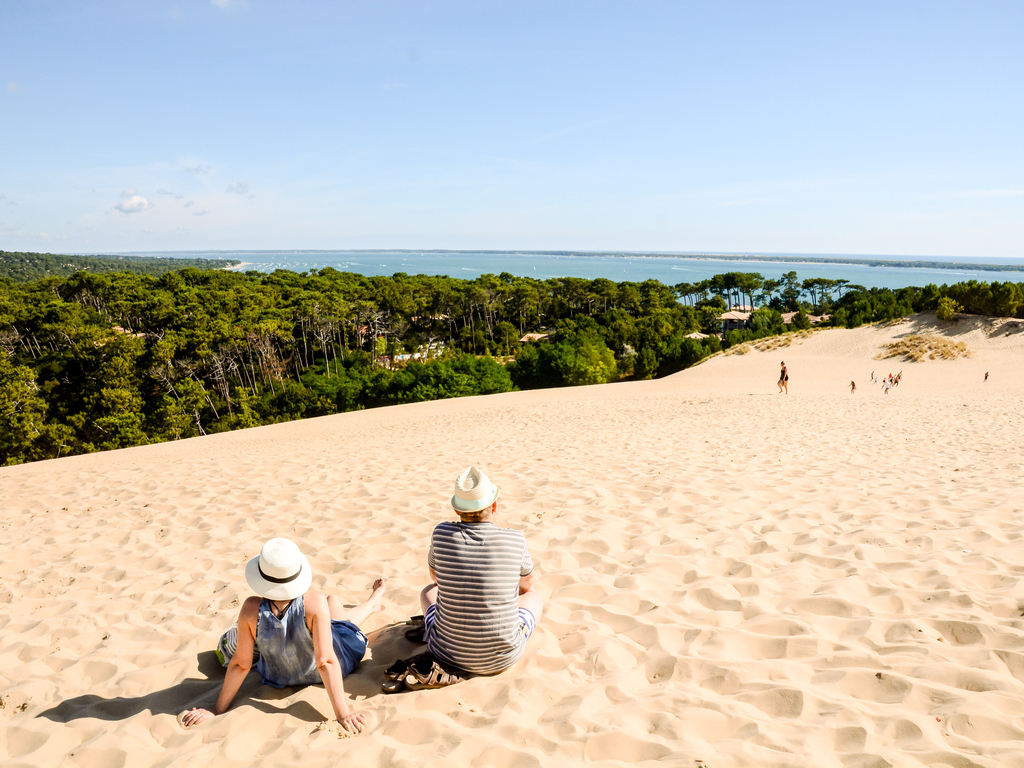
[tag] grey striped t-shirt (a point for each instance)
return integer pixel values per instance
(476, 620)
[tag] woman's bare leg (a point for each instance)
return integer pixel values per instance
(361, 612)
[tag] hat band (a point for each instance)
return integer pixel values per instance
(274, 580)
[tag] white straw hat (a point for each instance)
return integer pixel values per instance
(280, 572)
(473, 491)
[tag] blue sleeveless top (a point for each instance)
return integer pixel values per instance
(285, 646)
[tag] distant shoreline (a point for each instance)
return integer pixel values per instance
(902, 263)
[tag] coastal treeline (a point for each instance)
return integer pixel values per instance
(100, 361)
(23, 267)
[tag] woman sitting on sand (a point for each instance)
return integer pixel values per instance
(295, 635)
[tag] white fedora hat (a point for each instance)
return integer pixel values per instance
(473, 491)
(280, 572)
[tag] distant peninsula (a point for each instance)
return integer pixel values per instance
(746, 257)
(25, 267)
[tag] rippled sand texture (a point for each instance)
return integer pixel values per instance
(734, 576)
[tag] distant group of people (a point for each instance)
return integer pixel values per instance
(479, 609)
(891, 381)
(887, 382)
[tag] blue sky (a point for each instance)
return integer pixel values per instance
(869, 128)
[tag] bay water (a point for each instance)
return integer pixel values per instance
(668, 269)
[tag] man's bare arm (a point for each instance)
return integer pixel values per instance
(526, 583)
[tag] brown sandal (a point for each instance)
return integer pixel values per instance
(396, 675)
(437, 676)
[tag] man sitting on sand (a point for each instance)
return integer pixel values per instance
(295, 635)
(481, 608)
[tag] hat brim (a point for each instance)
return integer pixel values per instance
(268, 589)
(475, 506)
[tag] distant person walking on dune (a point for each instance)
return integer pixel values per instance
(885, 386)
(784, 379)
(853, 387)
(986, 375)
(873, 379)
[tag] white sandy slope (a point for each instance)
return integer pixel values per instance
(733, 576)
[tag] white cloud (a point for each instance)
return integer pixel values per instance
(252, 197)
(238, 187)
(189, 204)
(13, 87)
(133, 204)
(163, 191)
(230, 3)
(198, 169)
(3, 197)
(202, 212)
(130, 193)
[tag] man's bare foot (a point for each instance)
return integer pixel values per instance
(376, 595)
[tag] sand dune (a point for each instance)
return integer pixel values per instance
(734, 576)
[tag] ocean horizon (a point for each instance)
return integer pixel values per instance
(619, 266)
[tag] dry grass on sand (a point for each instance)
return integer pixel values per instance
(920, 346)
(770, 343)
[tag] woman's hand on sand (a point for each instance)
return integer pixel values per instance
(353, 722)
(196, 716)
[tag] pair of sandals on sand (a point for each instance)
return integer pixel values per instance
(421, 672)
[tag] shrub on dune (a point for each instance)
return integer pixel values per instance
(920, 346)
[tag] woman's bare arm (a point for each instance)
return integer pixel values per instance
(238, 668)
(318, 619)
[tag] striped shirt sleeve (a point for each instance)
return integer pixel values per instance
(527, 567)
